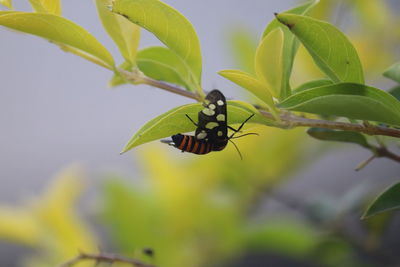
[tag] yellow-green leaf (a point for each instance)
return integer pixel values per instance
(290, 44)
(253, 85)
(168, 25)
(330, 48)
(175, 121)
(70, 36)
(351, 100)
(159, 63)
(312, 84)
(117, 79)
(163, 64)
(268, 61)
(6, 3)
(125, 34)
(47, 6)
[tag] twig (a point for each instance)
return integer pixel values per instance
(288, 120)
(170, 88)
(104, 257)
(364, 163)
(292, 121)
(378, 152)
(384, 152)
(137, 77)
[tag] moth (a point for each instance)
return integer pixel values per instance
(212, 128)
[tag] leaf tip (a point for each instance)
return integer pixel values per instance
(284, 21)
(124, 150)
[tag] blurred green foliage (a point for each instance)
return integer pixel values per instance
(49, 223)
(194, 213)
(200, 211)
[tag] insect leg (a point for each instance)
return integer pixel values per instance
(240, 127)
(231, 128)
(195, 124)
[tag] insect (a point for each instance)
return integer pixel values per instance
(212, 129)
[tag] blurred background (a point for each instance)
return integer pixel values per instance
(292, 201)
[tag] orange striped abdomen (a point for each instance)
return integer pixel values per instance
(188, 143)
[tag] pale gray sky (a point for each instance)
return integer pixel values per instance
(55, 108)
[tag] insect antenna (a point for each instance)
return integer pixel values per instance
(234, 137)
(240, 127)
(237, 149)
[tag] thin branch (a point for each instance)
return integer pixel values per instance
(103, 257)
(384, 152)
(380, 151)
(288, 119)
(292, 121)
(365, 163)
(170, 88)
(137, 77)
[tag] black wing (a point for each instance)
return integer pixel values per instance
(212, 120)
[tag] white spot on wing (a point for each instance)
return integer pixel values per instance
(211, 106)
(221, 117)
(201, 135)
(208, 112)
(220, 103)
(211, 125)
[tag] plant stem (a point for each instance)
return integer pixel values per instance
(288, 120)
(137, 77)
(293, 121)
(384, 152)
(365, 163)
(170, 88)
(102, 257)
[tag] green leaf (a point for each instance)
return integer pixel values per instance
(395, 92)
(168, 25)
(125, 34)
(130, 210)
(159, 63)
(117, 79)
(355, 101)
(47, 6)
(331, 50)
(289, 237)
(338, 136)
(386, 201)
(268, 61)
(175, 121)
(312, 84)
(68, 35)
(393, 72)
(253, 85)
(6, 3)
(163, 64)
(290, 45)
